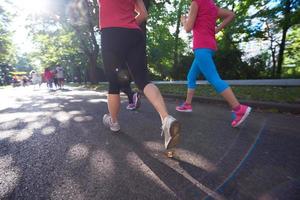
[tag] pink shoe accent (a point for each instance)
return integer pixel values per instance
(240, 115)
(184, 107)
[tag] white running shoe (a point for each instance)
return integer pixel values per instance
(171, 131)
(115, 127)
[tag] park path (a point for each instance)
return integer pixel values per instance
(53, 146)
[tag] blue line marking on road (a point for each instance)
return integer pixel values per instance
(247, 155)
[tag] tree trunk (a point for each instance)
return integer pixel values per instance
(286, 26)
(273, 63)
(273, 49)
(92, 71)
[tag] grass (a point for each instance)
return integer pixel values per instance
(4, 86)
(253, 93)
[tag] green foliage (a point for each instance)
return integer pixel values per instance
(161, 41)
(69, 35)
(7, 49)
(59, 47)
(292, 54)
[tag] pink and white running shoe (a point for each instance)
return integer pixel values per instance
(240, 115)
(185, 107)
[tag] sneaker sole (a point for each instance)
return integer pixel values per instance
(175, 133)
(184, 110)
(244, 117)
(115, 130)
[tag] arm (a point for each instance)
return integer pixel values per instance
(141, 10)
(227, 16)
(188, 22)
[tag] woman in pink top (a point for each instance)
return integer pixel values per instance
(48, 77)
(202, 21)
(123, 43)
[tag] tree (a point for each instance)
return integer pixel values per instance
(278, 18)
(84, 18)
(7, 50)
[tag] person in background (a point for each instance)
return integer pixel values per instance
(35, 78)
(60, 76)
(48, 77)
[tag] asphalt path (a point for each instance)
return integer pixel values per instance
(53, 145)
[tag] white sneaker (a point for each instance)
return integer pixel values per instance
(115, 127)
(171, 130)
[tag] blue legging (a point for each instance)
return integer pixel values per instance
(203, 63)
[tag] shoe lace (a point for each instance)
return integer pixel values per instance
(162, 129)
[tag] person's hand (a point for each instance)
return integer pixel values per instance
(183, 19)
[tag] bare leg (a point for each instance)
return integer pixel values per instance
(113, 106)
(189, 95)
(229, 96)
(154, 96)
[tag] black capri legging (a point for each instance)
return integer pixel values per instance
(124, 47)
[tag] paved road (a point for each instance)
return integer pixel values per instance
(53, 146)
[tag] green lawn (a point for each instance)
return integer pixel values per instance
(255, 93)
(4, 86)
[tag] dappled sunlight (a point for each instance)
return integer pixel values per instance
(50, 105)
(50, 97)
(9, 125)
(124, 101)
(62, 116)
(63, 97)
(36, 124)
(6, 134)
(9, 176)
(41, 102)
(7, 117)
(48, 130)
(76, 100)
(97, 100)
(77, 152)
(9, 105)
(31, 119)
(26, 102)
(15, 121)
(59, 108)
(83, 118)
(184, 155)
(75, 112)
(102, 165)
(22, 135)
(153, 146)
(84, 93)
(195, 159)
(136, 163)
(68, 189)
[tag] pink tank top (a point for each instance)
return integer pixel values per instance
(117, 13)
(205, 23)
